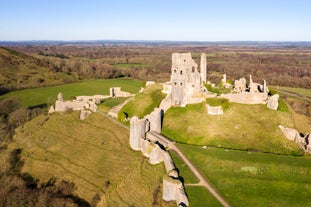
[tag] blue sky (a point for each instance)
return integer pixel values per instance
(192, 20)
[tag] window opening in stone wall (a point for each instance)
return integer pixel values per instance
(181, 84)
(175, 83)
(193, 69)
(184, 60)
(174, 71)
(181, 72)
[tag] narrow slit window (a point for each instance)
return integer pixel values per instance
(181, 72)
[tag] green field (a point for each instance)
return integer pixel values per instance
(200, 197)
(247, 127)
(40, 96)
(94, 154)
(109, 103)
(251, 179)
(300, 91)
(143, 103)
(131, 65)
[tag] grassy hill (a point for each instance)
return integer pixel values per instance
(143, 103)
(40, 96)
(247, 127)
(18, 71)
(93, 154)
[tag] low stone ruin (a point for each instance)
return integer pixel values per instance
(224, 81)
(253, 94)
(214, 110)
(117, 92)
(76, 105)
(142, 139)
(294, 135)
(239, 85)
(273, 102)
(85, 104)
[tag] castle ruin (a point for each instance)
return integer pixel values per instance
(187, 83)
(143, 137)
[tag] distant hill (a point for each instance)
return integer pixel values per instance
(18, 71)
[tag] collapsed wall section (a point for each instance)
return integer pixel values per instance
(143, 138)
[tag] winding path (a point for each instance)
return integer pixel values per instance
(202, 182)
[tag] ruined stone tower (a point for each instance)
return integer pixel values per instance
(203, 68)
(186, 80)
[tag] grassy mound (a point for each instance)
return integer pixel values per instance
(109, 103)
(143, 103)
(247, 127)
(93, 154)
(252, 179)
(40, 96)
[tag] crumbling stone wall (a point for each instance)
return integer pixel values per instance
(246, 98)
(80, 104)
(143, 140)
(294, 135)
(186, 80)
(117, 92)
(273, 102)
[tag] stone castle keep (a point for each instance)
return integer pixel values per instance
(187, 83)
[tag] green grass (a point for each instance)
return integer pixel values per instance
(40, 96)
(109, 103)
(200, 197)
(184, 171)
(131, 65)
(143, 103)
(224, 103)
(282, 105)
(254, 179)
(217, 89)
(247, 127)
(94, 154)
(300, 91)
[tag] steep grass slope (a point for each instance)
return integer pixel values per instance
(143, 103)
(94, 154)
(247, 127)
